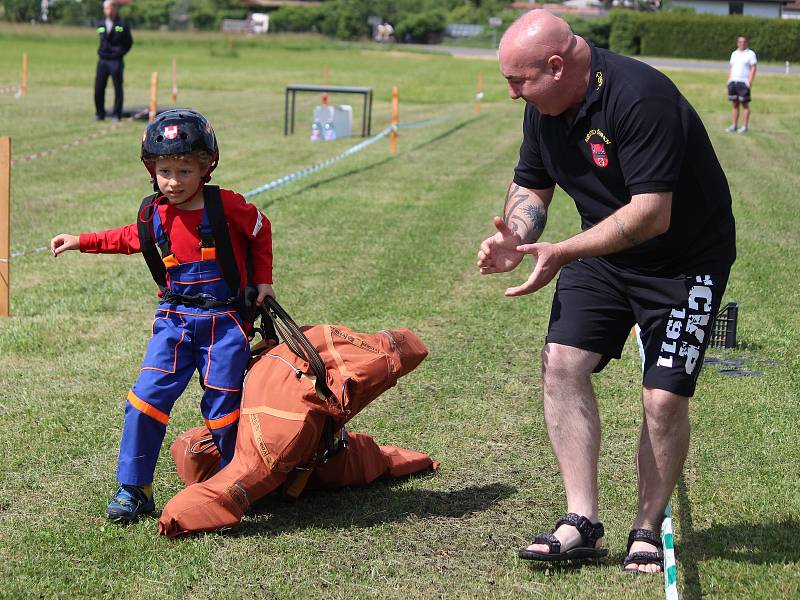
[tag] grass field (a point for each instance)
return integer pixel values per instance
(373, 241)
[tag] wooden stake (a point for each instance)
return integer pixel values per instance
(174, 81)
(230, 42)
(395, 120)
(153, 96)
(24, 89)
(479, 94)
(5, 224)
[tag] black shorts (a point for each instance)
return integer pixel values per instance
(738, 90)
(596, 305)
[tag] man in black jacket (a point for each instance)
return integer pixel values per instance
(115, 41)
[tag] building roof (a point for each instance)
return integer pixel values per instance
(278, 3)
(559, 9)
(784, 2)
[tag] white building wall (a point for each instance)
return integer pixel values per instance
(713, 8)
(751, 9)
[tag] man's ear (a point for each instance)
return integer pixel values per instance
(556, 65)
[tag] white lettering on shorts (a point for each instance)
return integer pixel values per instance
(689, 326)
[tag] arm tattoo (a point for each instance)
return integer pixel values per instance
(513, 200)
(525, 218)
(623, 232)
(538, 219)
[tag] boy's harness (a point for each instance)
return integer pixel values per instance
(215, 243)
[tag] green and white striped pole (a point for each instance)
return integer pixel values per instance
(670, 566)
(667, 535)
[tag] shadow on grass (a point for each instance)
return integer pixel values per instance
(379, 503)
(754, 543)
(570, 566)
(365, 168)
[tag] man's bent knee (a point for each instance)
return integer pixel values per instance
(665, 407)
(560, 362)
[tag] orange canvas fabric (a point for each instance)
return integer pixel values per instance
(282, 423)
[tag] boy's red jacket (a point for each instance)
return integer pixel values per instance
(247, 225)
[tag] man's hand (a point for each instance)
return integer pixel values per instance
(63, 242)
(264, 290)
(499, 253)
(548, 260)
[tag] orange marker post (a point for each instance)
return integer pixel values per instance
(174, 80)
(24, 89)
(5, 224)
(395, 120)
(153, 96)
(479, 94)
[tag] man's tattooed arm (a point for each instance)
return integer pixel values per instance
(623, 231)
(526, 212)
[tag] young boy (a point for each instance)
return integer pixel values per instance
(196, 325)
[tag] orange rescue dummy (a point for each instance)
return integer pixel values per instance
(286, 425)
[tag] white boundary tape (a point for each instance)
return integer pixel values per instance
(67, 146)
(314, 168)
(667, 535)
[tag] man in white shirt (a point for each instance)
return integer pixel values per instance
(740, 80)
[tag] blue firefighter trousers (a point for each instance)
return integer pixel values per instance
(185, 340)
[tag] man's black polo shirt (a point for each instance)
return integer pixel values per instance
(635, 133)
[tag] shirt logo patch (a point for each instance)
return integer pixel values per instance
(171, 132)
(599, 154)
(599, 77)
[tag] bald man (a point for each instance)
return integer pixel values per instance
(655, 249)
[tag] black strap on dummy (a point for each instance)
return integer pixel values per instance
(274, 317)
(296, 341)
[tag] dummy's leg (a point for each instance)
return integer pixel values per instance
(363, 461)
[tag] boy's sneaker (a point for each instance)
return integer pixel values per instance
(129, 503)
(730, 129)
(741, 130)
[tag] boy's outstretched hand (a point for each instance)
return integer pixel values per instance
(264, 290)
(63, 242)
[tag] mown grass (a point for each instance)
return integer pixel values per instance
(373, 241)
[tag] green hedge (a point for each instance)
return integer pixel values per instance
(703, 36)
(596, 30)
(425, 27)
(297, 18)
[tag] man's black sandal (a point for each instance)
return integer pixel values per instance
(642, 557)
(590, 534)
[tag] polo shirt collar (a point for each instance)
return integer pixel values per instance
(597, 81)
